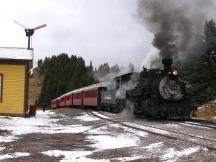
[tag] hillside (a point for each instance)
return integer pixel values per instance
(35, 84)
(207, 111)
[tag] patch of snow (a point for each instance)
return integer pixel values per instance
(101, 130)
(40, 112)
(8, 138)
(200, 108)
(16, 53)
(2, 148)
(172, 155)
(86, 117)
(154, 146)
(113, 142)
(122, 159)
(138, 133)
(205, 149)
(20, 126)
(15, 155)
(154, 130)
(41, 124)
(76, 156)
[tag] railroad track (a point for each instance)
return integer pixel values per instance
(196, 122)
(201, 123)
(194, 139)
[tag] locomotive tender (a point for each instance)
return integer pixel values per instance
(153, 93)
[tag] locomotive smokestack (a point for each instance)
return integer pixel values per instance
(167, 62)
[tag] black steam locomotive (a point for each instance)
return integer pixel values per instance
(153, 93)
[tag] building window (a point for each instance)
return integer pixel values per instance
(1, 87)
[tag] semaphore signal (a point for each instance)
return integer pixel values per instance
(29, 31)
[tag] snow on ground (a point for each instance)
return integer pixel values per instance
(172, 155)
(2, 148)
(104, 140)
(154, 146)
(134, 158)
(76, 156)
(102, 130)
(8, 138)
(112, 142)
(86, 117)
(102, 137)
(15, 155)
(43, 123)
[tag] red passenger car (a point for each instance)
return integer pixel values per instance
(62, 101)
(78, 98)
(69, 99)
(86, 96)
(92, 95)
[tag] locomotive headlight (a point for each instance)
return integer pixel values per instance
(175, 72)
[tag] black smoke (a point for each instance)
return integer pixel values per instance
(174, 23)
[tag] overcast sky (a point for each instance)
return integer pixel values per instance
(98, 30)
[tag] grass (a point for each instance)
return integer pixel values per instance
(207, 115)
(207, 111)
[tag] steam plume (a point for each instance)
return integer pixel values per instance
(174, 23)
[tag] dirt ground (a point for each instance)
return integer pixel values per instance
(74, 135)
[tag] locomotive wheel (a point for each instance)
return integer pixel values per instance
(119, 108)
(115, 109)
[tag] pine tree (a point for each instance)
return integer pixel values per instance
(200, 67)
(210, 38)
(62, 74)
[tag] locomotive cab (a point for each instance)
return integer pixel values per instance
(114, 98)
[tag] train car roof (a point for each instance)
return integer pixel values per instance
(97, 85)
(55, 99)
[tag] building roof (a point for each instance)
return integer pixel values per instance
(14, 53)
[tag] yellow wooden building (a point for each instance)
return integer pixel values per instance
(15, 65)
